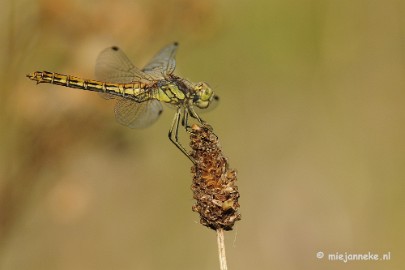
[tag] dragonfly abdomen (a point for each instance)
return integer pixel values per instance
(134, 90)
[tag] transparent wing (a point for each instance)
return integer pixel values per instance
(137, 115)
(163, 63)
(113, 65)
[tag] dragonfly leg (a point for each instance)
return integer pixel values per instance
(174, 137)
(184, 121)
(194, 115)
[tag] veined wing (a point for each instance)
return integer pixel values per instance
(114, 66)
(163, 63)
(137, 115)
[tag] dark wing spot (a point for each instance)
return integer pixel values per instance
(115, 48)
(176, 43)
(160, 112)
(216, 97)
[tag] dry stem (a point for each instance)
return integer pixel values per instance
(221, 249)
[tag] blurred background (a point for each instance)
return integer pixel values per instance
(311, 115)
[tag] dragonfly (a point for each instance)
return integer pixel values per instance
(140, 92)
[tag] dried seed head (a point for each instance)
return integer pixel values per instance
(214, 184)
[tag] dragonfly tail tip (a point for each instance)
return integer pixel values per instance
(30, 76)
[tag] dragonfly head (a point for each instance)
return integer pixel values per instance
(203, 95)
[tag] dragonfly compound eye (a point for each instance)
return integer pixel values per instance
(204, 94)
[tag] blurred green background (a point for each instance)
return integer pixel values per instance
(311, 115)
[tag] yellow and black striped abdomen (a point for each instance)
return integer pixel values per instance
(137, 90)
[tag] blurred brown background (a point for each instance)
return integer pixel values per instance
(311, 115)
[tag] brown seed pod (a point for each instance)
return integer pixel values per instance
(214, 183)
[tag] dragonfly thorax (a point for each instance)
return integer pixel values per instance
(180, 91)
(170, 92)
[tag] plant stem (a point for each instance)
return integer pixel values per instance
(221, 249)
